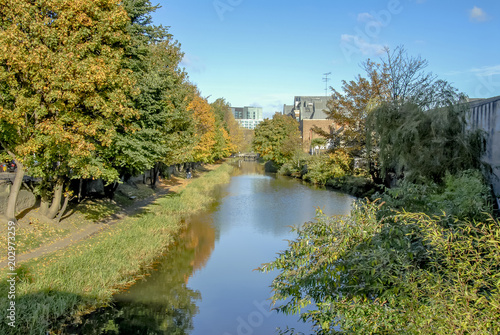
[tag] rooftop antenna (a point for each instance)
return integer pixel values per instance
(326, 79)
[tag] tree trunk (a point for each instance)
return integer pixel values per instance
(44, 206)
(63, 209)
(10, 212)
(110, 190)
(80, 190)
(56, 201)
(375, 173)
(154, 174)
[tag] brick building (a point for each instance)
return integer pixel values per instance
(309, 111)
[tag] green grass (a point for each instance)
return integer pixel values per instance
(96, 209)
(40, 232)
(83, 277)
(28, 238)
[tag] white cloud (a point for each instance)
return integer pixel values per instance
(368, 18)
(486, 71)
(193, 63)
(365, 47)
(364, 17)
(477, 14)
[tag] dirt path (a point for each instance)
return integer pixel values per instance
(172, 185)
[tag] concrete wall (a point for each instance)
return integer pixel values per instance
(485, 115)
(25, 198)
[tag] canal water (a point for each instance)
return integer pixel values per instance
(206, 284)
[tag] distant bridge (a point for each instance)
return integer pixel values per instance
(248, 156)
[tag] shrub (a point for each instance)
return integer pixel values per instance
(322, 168)
(404, 274)
(296, 168)
(357, 186)
(465, 195)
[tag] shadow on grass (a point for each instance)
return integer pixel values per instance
(39, 313)
(33, 313)
(97, 210)
(24, 212)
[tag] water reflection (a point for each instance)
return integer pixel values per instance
(249, 168)
(273, 203)
(205, 285)
(166, 305)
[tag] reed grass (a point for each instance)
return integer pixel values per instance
(62, 286)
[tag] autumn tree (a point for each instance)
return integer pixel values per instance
(223, 146)
(223, 111)
(64, 90)
(277, 139)
(397, 85)
(204, 118)
(349, 109)
(164, 130)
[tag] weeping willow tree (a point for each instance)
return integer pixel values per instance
(420, 132)
(398, 101)
(422, 144)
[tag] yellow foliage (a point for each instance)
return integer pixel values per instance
(67, 88)
(205, 128)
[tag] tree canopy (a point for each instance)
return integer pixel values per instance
(399, 116)
(95, 90)
(351, 108)
(64, 90)
(277, 139)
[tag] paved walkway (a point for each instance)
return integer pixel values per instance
(94, 228)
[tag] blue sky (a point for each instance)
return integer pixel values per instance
(263, 53)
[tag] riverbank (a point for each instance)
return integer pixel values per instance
(357, 186)
(205, 285)
(71, 282)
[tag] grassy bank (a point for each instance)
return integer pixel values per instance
(85, 276)
(330, 171)
(35, 230)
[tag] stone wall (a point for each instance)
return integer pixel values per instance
(485, 115)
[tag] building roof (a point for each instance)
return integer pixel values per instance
(312, 107)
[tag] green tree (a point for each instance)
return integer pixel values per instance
(425, 144)
(317, 142)
(277, 139)
(164, 129)
(64, 90)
